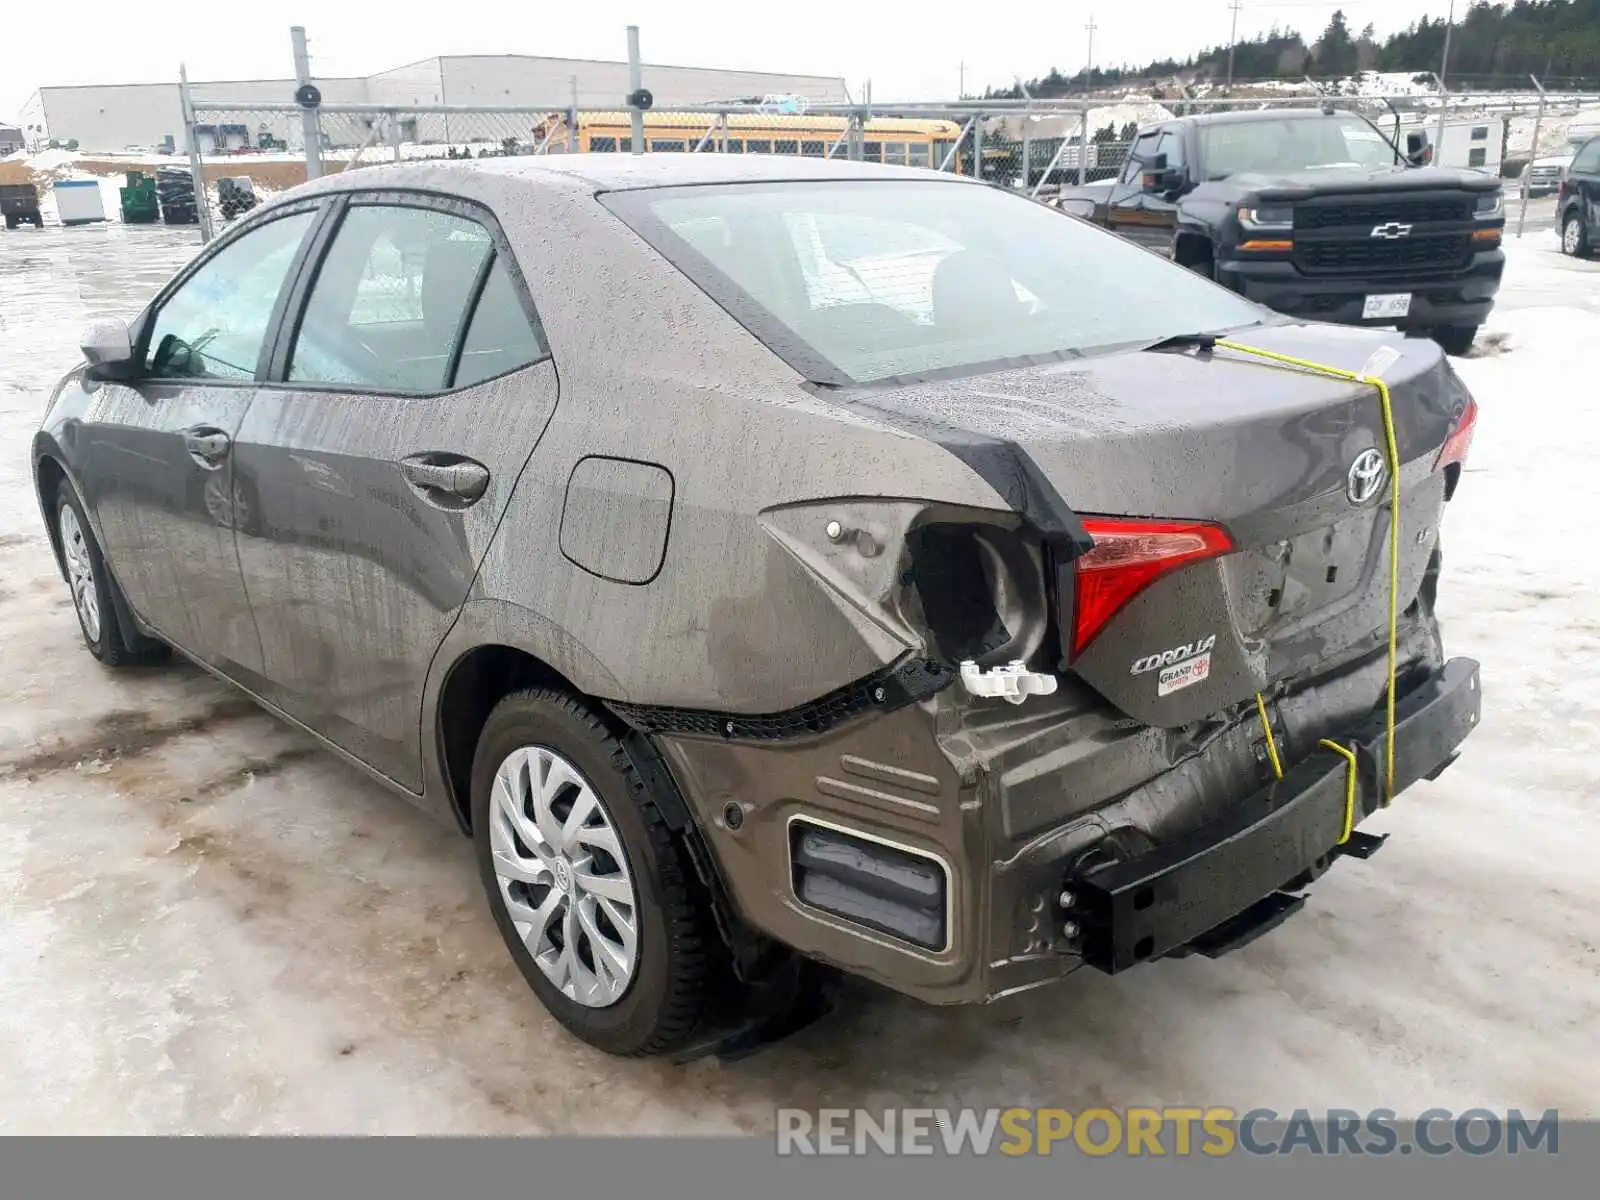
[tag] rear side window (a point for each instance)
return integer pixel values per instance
(396, 299)
(499, 338)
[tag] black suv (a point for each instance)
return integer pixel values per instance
(1578, 202)
(1316, 214)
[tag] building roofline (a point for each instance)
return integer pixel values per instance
(173, 83)
(614, 62)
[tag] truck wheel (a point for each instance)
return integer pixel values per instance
(11, 221)
(1574, 236)
(596, 900)
(1455, 339)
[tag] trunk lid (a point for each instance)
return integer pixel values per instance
(1263, 450)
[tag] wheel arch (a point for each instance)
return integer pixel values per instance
(48, 475)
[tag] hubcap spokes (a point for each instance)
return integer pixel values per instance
(80, 573)
(563, 876)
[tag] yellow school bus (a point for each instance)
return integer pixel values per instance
(901, 140)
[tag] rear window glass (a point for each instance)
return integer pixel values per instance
(861, 282)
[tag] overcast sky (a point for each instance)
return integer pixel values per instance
(908, 53)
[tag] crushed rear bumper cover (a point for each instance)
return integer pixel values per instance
(1230, 880)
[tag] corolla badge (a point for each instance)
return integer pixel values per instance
(1366, 476)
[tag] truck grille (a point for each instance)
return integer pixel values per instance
(1376, 254)
(1421, 211)
(1428, 232)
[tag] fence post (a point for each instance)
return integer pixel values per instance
(1533, 155)
(394, 133)
(1083, 144)
(197, 171)
(572, 114)
(853, 150)
(310, 127)
(635, 83)
(977, 146)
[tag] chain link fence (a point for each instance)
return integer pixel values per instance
(247, 152)
(241, 154)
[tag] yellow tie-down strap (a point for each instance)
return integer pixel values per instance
(1392, 455)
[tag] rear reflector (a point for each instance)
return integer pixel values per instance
(1459, 442)
(1129, 555)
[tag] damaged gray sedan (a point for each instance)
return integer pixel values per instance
(772, 562)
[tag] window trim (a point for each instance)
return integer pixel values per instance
(144, 325)
(288, 329)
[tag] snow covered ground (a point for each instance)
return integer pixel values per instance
(208, 924)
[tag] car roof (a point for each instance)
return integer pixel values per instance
(617, 172)
(1266, 114)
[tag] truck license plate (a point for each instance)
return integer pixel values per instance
(1386, 307)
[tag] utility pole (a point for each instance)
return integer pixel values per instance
(1444, 65)
(961, 87)
(1233, 36)
(1089, 69)
(635, 85)
(310, 127)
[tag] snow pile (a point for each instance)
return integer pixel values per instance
(1388, 83)
(49, 162)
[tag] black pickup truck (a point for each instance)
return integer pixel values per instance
(19, 203)
(1316, 214)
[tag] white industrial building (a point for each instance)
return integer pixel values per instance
(115, 117)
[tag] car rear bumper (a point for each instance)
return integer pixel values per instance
(1463, 298)
(930, 848)
(1237, 876)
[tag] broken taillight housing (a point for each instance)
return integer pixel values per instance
(1129, 554)
(1459, 442)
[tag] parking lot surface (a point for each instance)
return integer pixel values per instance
(207, 924)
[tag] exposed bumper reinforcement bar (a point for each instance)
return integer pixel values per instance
(1230, 881)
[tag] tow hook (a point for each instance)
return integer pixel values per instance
(1012, 682)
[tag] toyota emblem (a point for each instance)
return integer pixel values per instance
(1366, 476)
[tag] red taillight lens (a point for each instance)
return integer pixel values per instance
(1459, 442)
(1128, 556)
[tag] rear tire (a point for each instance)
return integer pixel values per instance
(1456, 339)
(616, 945)
(94, 594)
(1575, 236)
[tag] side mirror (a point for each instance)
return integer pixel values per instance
(107, 344)
(1419, 151)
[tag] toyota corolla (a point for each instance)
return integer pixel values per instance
(775, 561)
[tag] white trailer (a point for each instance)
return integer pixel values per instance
(1474, 143)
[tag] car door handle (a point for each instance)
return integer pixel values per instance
(207, 445)
(450, 476)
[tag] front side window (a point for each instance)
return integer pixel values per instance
(1171, 144)
(389, 308)
(1287, 143)
(214, 325)
(855, 282)
(1143, 151)
(1587, 161)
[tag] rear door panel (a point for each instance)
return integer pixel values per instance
(355, 569)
